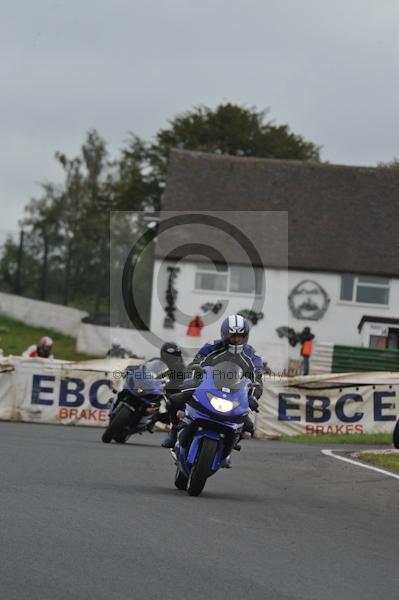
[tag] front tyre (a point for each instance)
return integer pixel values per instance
(106, 438)
(121, 439)
(181, 480)
(396, 435)
(119, 422)
(202, 466)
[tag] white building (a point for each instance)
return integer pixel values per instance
(323, 246)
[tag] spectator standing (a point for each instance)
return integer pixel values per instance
(306, 338)
(195, 326)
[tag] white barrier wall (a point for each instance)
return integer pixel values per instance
(95, 339)
(42, 314)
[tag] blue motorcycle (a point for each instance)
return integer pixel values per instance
(141, 397)
(212, 425)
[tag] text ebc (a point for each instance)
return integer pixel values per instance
(70, 392)
(318, 409)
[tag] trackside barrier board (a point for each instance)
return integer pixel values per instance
(333, 403)
(7, 390)
(51, 391)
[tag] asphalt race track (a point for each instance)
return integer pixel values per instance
(83, 520)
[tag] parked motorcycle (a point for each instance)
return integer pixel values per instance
(143, 391)
(212, 425)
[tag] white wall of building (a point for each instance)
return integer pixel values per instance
(339, 324)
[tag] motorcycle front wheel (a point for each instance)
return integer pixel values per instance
(181, 479)
(121, 439)
(202, 467)
(119, 422)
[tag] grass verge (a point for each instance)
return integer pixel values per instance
(384, 460)
(16, 337)
(384, 439)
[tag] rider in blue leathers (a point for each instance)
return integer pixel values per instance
(231, 347)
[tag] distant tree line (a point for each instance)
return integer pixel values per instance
(63, 251)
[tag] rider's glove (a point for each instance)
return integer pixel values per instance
(253, 404)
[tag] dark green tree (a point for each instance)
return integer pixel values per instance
(227, 129)
(393, 164)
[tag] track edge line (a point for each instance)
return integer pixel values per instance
(328, 452)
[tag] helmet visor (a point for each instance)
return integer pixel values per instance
(44, 351)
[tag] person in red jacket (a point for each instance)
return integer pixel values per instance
(195, 326)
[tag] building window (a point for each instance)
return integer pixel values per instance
(236, 279)
(245, 280)
(365, 289)
(208, 278)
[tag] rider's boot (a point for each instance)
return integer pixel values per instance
(171, 438)
(226, 463)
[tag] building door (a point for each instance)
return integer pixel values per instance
(393, 339)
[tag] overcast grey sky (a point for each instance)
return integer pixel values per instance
(328, 69)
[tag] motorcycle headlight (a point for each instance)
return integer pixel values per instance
(221, 404)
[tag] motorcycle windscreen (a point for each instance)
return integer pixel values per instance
(156, 368)
(148, 377)
(228, 375)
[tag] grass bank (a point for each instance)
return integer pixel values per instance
(385, 460)
(368, 439)
(16, 337)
